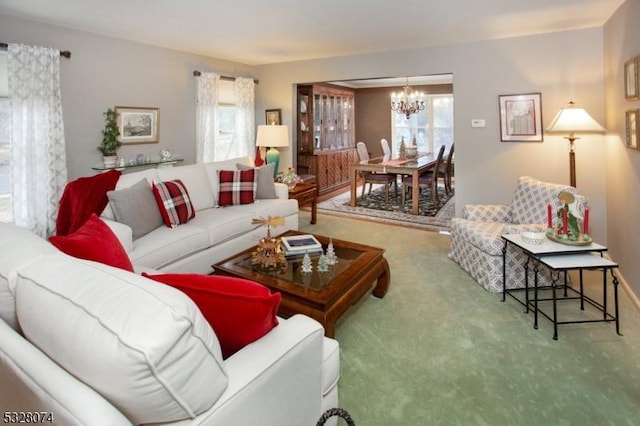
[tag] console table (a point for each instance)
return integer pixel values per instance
(559, 259)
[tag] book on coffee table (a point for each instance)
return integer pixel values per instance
(300, 244)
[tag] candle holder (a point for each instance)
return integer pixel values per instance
(567, 227)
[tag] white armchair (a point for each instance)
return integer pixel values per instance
(476, 243)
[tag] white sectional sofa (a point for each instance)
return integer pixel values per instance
(213, 234)
(90, 344)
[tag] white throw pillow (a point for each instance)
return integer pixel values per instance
(142, 345)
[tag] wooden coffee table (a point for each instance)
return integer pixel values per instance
(324, 296)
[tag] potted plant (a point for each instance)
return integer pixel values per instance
(110, 142)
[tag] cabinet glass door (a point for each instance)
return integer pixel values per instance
(346, 122)
(317, 120)
(338, 122)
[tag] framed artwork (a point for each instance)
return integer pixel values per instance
(631, 119)
(137, 125)
(631, 92)
(521, 117)
(273, 116)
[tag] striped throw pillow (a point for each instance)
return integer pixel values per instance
(174, 202)
(236, 187)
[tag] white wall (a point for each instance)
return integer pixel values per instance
(562, 66)
(622, 42)
(105, 72)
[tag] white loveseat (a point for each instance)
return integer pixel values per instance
(89, 344)
(213, 234)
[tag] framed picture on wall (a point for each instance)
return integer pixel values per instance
(631, 121)
(137, 125)
(631, 92)
(521, 117)
(273, 116)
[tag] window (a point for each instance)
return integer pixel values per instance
(432, 127)
(223, 116)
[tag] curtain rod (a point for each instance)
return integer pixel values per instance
(65, 53)
(223, 77)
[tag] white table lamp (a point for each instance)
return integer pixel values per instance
(272, 136)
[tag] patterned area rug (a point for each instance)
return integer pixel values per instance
(373, 207)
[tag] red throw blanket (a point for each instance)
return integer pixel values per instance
(81, 198)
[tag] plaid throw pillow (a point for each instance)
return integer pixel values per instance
(236, 187)
(174, 202)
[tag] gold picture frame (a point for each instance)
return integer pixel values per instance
(632, 126)
(273, 116)
(138, 125)
(631, 89)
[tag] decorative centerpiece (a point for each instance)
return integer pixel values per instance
(412, 151)
(291, 179)
(268, 255)
(402, 151)
(567, 226)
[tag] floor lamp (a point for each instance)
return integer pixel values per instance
(272, 136)
(573, 120)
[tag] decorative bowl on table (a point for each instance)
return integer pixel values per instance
(535, 238)
(412, 151)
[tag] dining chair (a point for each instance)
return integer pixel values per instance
(446, 171)
(371, 177)
(428, 179)
(386, 150)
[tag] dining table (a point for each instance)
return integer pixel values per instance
(414, 167)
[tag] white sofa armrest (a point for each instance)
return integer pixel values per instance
(122, 231)
(32, 382)
(282, 191)
(486, 213)
(267, 375)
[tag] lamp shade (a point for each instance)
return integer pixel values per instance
(573, 119)
(272, 135)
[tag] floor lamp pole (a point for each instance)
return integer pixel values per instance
(572, 163)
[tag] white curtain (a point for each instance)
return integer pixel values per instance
(218, 135)
(244, 91)
(206, 104)
(38, 159)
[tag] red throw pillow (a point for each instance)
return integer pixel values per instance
(174, 202)
(94, 241)
(236, 187)
(239, 311)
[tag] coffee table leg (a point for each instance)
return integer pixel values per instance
(383, 280)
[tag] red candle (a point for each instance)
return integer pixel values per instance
(564, 220)
(585, 229)
(549, 220)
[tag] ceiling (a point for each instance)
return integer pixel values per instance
(256, 32)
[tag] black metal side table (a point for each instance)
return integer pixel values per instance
(559, 259)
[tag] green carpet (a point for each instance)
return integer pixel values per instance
(439, 350)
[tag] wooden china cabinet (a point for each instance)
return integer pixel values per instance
(325, 134)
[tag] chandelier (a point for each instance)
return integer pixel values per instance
(407, 102)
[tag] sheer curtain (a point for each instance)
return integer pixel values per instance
(38, 158)
(225, 118)
(206, 105)
(244, 91)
